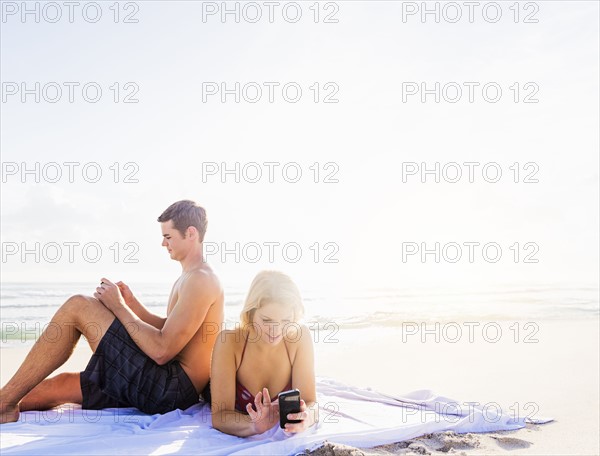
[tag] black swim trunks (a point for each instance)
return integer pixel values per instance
(120, 374)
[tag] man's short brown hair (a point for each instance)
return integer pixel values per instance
(184, 214)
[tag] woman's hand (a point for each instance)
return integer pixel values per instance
(266, 414)
(303, 415)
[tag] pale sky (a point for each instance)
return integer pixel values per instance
(365, 218)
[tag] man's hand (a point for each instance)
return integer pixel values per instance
(126, 293)
(109, 294)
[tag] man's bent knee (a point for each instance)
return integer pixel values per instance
(74, 305)
(89, 316)
(79, 301)
(86, 308)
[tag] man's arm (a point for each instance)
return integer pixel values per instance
(139, 309)
(196, 296)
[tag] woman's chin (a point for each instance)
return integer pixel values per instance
(273, 341)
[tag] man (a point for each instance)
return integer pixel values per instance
(140, 359)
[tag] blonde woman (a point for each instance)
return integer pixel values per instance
(270, 352)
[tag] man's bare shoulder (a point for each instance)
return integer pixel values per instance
(202, 281)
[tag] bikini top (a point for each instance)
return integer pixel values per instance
(242, 395)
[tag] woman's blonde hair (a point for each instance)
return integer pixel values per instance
(272, 287)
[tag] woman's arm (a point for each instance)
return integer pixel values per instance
(225, 417)
(303, 378)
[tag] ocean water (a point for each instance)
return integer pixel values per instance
(26, 307)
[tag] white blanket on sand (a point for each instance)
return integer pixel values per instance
(349, 415)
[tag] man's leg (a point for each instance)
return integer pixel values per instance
(54, 391)
(78, 315)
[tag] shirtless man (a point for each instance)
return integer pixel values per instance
(140, 359)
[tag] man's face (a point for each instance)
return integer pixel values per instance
(175, 243)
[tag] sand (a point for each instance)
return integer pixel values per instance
(559, 374)
(441, 443)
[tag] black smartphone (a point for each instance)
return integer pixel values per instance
(289, 402)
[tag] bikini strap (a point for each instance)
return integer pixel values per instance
(288, 353)
(243, 351)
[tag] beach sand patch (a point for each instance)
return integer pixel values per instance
(447, 442)
(437, 443)
(511, 443)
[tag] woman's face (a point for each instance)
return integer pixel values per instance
(271, 320)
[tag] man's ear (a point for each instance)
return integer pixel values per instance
(191, 232)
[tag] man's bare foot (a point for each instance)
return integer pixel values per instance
(9, 413)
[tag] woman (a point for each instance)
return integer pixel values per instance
(270, 353)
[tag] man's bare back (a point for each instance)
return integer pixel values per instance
(195, 356)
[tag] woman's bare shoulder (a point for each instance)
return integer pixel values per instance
(232, 335)
(230, 339)
(298, 334)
